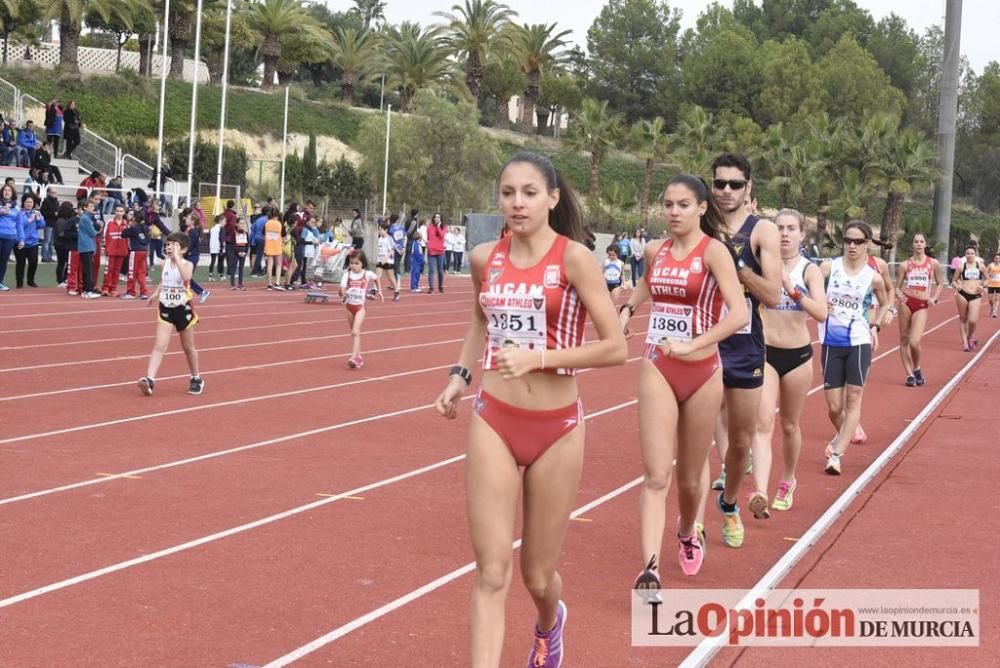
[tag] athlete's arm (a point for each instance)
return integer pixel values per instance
(447, 402)
(719, 261)
(883, 268)
(879, 286)
(609, 350)
(641, 292)
(938, 280)
(814, 303)
(766, 288)
(825, 269)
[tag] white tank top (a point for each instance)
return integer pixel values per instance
(797, 277)
(173, 290)
(848, 299)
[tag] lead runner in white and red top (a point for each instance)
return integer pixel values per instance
(533, 290)
(690, 276)
(353, 292)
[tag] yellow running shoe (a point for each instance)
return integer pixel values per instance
(732, 526)
(783, 498)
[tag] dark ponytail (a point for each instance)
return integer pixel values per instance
(712, 223)
(567, 216)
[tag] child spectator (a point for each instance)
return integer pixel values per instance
(50, 212)
(9, 213)
(449, 248)
(384, 261)
(353, 290)
(613, 270)
(238, 255)
(137, 233)
(30, 228)
(175, 313)
(86, 245)
(215, 248)
(190, 225)
(64, 241)
(416, 264)
(116, 248)
(273, 231)
(257, 242)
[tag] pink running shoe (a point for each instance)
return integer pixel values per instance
(355, 362)
(690, 554)
(859, 436)
(548, 649)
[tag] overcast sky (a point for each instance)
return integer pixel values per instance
(980, 18)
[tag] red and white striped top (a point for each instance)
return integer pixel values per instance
(530, 308)
(686, 298)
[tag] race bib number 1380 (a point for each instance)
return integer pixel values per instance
(669, 321)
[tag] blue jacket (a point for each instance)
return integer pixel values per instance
(138, 237)
(398, 235)
(257, 230)
(27, 228)
(8, 222)
(86, 237)
(27, 139)
(416, 250)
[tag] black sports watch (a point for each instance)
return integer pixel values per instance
(626, 305)
(462, 373)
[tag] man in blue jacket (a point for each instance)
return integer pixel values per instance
(27, 140)
(257, 242)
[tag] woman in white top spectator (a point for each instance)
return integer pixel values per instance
(637, 245)
(458, 249)
(215, 248)
(449, 248)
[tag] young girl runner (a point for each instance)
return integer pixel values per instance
(353, 289)
(680, 382)
(914, 288)
(175, 313)
(614, 269)
(533, 290)
(993, 285)
(968, 284)
(788, 369)
(385, 258)
(848, 338)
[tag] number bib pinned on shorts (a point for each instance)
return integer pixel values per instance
(669, 321)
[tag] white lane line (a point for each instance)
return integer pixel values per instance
(704, 652)
(159, 554)
(230, 370)
(310, 339)
(248, 328)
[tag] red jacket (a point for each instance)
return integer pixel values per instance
(435, 239)
(114, 244)
(229, 231)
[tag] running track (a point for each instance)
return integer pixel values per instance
(302, 512)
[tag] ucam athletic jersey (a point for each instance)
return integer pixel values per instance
(917, 277)
(798, 280)
(534, 308)
(686, 298)
(355, 286)
(848, 299)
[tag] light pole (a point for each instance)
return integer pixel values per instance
(284, 153)
(194, 99)
(222, 119)
(385, 173)
(947, 115)
(157, 174)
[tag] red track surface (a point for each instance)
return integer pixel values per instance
(159, 585)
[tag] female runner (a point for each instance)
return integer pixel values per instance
(847, 336)
(914, 290)
(968, 283)
(993, 285)
(680, 382)
(788, 371)
(534, 289)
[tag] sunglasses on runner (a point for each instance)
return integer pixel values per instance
(855, 241)
(734, 184)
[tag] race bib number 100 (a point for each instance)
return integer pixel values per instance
(172, 296)
(669, 321)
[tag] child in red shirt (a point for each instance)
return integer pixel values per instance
(116, 248)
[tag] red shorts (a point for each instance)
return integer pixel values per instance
(353, 310)
(684, 377)
(528, 434)
(915, 304)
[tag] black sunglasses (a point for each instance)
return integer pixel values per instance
(855, 241)
(734, 184)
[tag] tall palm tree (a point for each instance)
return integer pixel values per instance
(833, 146)
(372, 12)
(595, 130)
(538, 47)
(270, 20)
(503, 79)
(849, 204)
(474, 31)
(414, 58)
(649, 142)
(695, 141)
(69, 14)
(354, 53)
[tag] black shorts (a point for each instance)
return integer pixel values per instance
(784, 360)
(994, 291)
(613, 286)
(846, 366)
(968, 296)
(181, 317)
(743, 371)
(387, 266)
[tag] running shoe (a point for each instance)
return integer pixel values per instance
(648, 583)
(833, 464)
(859, 435)
(911, 381)
(548, 649)
(3, 288)
(63, 285)
(91, 295)
(270, 287)
(146, 384)
(32, 285)
(127, 296)
(72, 293)
(204, 296)
(356, 362)
(732, 525)
(143, 296)
(197, 385)
(395, 297)
(720, 482)
(690, 555)
(973, 343)
(758, 505)
(918, 376)
(699, 529)
(783, 497)
(966, 348)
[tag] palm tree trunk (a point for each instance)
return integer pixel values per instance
(405, 94)
(595, 175)
(347, 87)
(267, 83)
(647, 185)
(503, 113)
(69, 42)
(213, 60)
(177, 48)
(530, 98)
(542, 114)
(145, 66)
(474, 73)
(890, 222)
(118, 58)
(6, 44)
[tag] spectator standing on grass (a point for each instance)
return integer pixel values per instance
(435, 253)
(54, 123)
(449, 248)
(72, 122)
(215, 248)
(9, 212)
(30, 227)
(64, 239)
